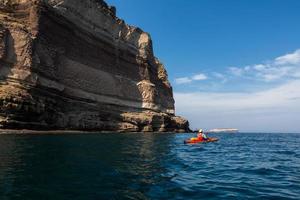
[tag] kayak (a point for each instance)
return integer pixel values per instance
(196, 140)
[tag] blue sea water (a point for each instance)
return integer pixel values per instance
(149, 166)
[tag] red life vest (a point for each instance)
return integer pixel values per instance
(199, 136)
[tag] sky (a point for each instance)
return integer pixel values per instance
(231, 63)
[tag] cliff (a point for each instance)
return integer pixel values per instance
(72, 64)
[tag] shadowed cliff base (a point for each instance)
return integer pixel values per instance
(76, 66)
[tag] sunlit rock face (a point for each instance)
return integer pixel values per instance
(72, 64)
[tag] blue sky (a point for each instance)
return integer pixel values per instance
(237, 62)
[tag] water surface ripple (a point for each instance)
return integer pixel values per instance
(149, 166)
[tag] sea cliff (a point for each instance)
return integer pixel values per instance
(73, 64)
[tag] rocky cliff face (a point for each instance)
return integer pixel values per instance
(72, 64)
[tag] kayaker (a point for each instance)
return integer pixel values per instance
(201, 135)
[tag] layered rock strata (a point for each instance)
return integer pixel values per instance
(72, 64)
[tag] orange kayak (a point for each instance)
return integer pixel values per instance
(196, 140)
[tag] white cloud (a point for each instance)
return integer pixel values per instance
(293, 58)
(199, 77)
(218, 75)
(274, 110)
(248, 68)
(282, 67)
(183, 80)
(275, 73)
(186, 80)
(237, 71)
(296, 74)
(259, 67)
(237, 101)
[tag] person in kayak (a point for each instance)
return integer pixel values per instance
(201, 135)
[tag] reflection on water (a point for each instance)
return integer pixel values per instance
(149, 166)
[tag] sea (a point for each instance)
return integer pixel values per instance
(149, 166)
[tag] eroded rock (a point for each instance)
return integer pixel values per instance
(72, 64)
